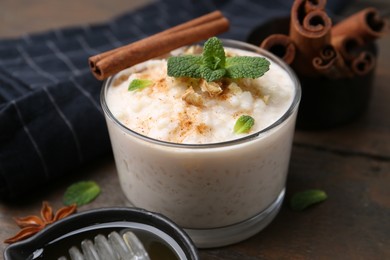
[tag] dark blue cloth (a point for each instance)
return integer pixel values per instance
(51, 122)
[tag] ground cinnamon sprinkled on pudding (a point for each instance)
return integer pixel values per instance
(202, 128)
(119, 80)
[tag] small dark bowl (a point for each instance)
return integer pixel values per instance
(325, 102)
(56, 239)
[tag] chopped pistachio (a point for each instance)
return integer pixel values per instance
(244, 124)
(139, 84)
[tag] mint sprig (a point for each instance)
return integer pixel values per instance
(213, 64)
(138, 84)
(243, 124)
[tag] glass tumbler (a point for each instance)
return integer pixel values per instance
(220, 193)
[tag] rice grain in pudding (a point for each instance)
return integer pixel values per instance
(197, 179)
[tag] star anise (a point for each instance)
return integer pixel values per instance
(33, 224)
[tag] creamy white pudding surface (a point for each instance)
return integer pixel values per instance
(192, 111)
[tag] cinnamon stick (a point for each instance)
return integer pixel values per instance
(194, 22)
(310, 32)
(351, 48)
(330, 63)
(281, 45)
(111, 62)
(367, 24)
(311, 5)
(364, 63)
(348, 46)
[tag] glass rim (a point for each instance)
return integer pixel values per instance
(237, 44)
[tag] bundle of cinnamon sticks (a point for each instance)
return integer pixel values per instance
(315, 47)
(110, 62)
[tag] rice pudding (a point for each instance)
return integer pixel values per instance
(177, 154)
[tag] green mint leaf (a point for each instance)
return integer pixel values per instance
(243, 124)
(212, 75)
(213, 55)
(213, 64)
(302, 200)
(81, 193)
(246, 67)
(138, 84)
(184, 66)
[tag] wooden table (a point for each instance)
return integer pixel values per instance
(351, 163)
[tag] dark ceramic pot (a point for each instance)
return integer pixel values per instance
(56, 239)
